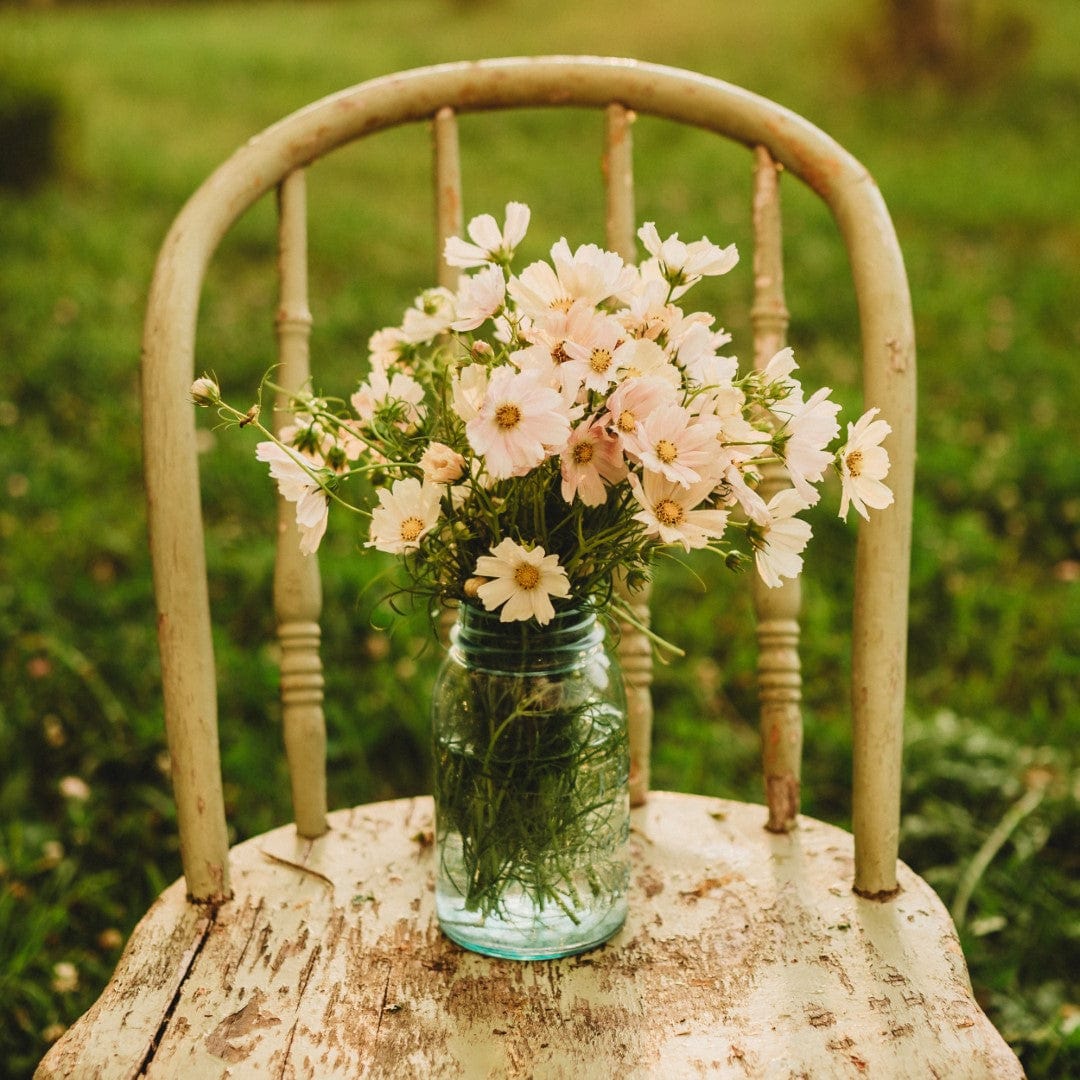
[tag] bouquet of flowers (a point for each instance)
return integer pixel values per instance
(520, 440)
(520, 443)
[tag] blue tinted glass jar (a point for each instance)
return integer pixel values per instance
(532, 806)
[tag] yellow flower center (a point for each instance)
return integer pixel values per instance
(526, 576)
(582, 453)
(564, 303)
(627, 422)
(600, 361)
(666, 451)
(854, 462)
(507, 416)
(668, 512)
(411, 528)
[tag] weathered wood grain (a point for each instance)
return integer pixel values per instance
(746, 954)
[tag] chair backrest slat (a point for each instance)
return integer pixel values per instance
(448, 196)
(777, 609)
(618, 170)
(297, 585)
(635, 649)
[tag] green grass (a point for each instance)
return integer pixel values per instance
(983, 191)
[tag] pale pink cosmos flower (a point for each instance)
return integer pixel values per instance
(431, 314)
(522, 582)
(630, 402)
(594, 351)
(592, 460)
(441, 463)
(686, 264)
(386, 347)
(588, 274)
(668, 511)
(381, 390)
(549, 336)
(778, 546)
(672, 441)
(864, 463)
(490, 244)
(297, 484)
(520, 422)
(479, 298)
(404, 516)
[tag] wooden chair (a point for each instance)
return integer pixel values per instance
(760, 942)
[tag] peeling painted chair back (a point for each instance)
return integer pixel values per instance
(276, 159)
(754, 948)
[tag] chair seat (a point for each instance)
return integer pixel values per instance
(745, 954)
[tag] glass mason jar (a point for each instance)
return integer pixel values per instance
(532, 805)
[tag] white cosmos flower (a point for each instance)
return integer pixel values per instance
(479, 297)
(686, 264)
(668, 511)
(490, 244)
(779, 544)
(297, 485)
(672, 441)
(431, 315)
(640, 358)
(404, 516)
(811, 426)
(522, 582)
(468, 389)
(864, 463)
(588, 274)
(780, 366)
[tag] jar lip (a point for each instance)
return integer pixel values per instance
(480, 637)
(566, 617)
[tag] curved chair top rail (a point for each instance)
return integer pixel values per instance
(310, 133)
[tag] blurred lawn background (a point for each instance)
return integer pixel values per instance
(980, 169)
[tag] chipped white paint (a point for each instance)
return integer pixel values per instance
(746, 954)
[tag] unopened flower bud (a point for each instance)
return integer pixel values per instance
(205, 392)
(735, 560)
(442, 464)
(481, 350)
(471, 588)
